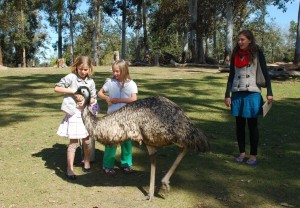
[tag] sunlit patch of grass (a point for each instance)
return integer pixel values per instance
(33, 157)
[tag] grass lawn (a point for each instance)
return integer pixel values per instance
(33, 157)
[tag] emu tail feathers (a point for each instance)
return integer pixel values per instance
(199, 141)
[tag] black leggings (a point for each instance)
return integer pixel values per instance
(253, 133)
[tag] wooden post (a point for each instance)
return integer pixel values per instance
(61, 63)
(1, 61)
(116, 56)
(24, 58)
(156, 60)
(92, 150)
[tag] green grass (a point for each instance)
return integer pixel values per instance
(33, 157)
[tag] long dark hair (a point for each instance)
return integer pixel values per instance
(253, 47)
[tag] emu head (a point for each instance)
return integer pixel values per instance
(85, 92)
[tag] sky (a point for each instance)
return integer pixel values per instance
(282, 19)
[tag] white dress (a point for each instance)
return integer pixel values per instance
(72, 126)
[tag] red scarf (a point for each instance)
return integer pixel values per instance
(241, 58)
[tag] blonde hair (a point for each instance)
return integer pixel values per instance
(83, 60)
(124, 70)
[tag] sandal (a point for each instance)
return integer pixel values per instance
(239, 159)
(109, 171)
(251, 162)
(128, 170)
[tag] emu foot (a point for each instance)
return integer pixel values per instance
(165, 186)
(145, 198)
(166, 189)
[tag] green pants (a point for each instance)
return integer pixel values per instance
(110, 154)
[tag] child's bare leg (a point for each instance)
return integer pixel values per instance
(87, 152)
(71, 155)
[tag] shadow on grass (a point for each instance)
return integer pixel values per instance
(139, 179)
(206, 174)
(276, 178)
(24, 91)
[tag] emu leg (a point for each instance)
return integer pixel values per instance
(152, 154)
(166, 179)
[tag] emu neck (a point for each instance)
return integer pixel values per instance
(89, 120)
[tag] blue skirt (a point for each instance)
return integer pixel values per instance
(246, 104)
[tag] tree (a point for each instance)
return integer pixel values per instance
(20, 31)
(97, 18)
(71, 9)
(206, 20)
(1, 62)
(234, 6)
(124, 15)
(168, 26)
(115, 9)
(145, 30)
(137, 28)
(297, 47)
(193, 8)
(229, 28)
(56, 10)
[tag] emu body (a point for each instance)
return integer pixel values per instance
(155, 122)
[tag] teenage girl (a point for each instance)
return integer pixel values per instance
(246, 99)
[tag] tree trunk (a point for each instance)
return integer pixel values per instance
(24, 57)
(1, 59)
(297, 47)
(215, 54)
(146, 47)
(59, 32)
(99, 27)
(138, 32)
(201, 56)
(206, 47)
(185, 44)
(71, 31)
(96, 30)
(200, 41)
(193, 40)
(229, 30)
(124, 29)
(23, 31)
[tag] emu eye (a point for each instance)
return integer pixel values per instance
(85, 92)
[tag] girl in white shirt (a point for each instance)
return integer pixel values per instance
(72, 126)
(121, 90)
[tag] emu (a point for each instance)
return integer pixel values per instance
(154, 121)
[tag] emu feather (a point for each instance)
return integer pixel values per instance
(154, 121)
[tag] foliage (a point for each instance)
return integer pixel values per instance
(290, 37)
(166, 34)
(169, 25)
(20, 29)
(269, 38)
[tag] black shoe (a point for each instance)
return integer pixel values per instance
(86, 170)
(71, 177)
